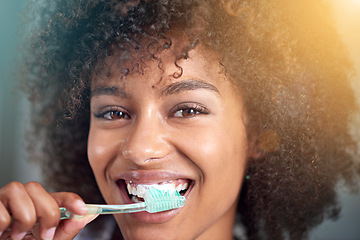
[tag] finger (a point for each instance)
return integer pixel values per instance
(69, 228)
(71, 202)
(47, 209)
(5, 219)
(17, 201)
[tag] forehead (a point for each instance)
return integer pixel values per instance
(202, 65)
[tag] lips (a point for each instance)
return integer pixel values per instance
(130, 185)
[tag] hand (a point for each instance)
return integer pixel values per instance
(28, 209)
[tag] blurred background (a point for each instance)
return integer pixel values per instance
(13, 110)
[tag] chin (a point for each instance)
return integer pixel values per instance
(141, 231)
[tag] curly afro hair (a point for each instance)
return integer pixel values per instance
(285, 57)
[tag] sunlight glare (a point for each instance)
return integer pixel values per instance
(355, 1)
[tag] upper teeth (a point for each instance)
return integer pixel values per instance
(140, 189)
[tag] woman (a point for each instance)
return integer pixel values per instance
(244, 106)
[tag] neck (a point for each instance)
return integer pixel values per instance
(223, 228)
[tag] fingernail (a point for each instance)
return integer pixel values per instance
(81, 205)
(19, 236)
(49, 234)
(86, 218)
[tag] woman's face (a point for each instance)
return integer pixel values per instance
(190, 132)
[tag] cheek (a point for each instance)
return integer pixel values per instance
(220, 157)
(217, 149)
(233, 165)
(219, 153)
(225, 161)
(101, 151)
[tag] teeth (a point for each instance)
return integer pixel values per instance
(181, 187)
(140, 190)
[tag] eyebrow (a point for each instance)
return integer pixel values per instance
(108, 90)
(187, 85)
(171, 89)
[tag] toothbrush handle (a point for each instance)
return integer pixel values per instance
(105, 209)
(112, 209)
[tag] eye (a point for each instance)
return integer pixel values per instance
(189, 110)
(112, 113)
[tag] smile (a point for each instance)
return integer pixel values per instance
(136, 192)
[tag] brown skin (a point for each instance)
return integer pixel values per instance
(22, 205)
(209, 148)
(286, 57)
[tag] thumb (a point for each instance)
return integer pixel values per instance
(69, 228)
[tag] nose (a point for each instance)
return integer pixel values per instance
(145, 142)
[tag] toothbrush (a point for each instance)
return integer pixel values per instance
(155, 201)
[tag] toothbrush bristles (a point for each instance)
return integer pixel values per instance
(159, 201)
